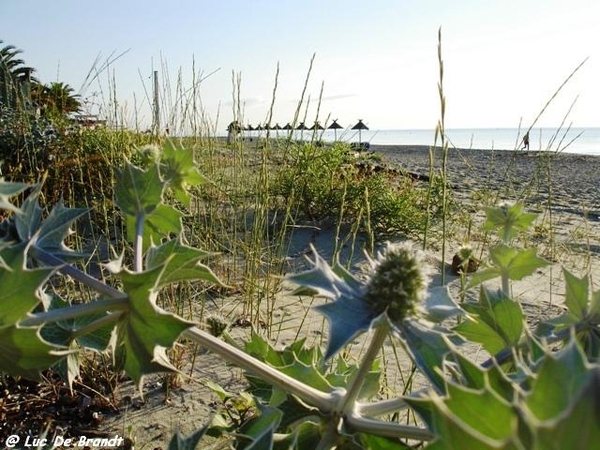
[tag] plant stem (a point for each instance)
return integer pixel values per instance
(387, 429)
(324, 401)
(75, 311)
(139, 240)
(66, 269)
(348, 401)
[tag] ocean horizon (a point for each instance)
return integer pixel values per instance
(573, 140)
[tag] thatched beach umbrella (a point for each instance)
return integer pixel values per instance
(249, 128)
(316, 126)
(276, 127)
(287, 126)
(360, 126)
(301, 126)
(335, 126)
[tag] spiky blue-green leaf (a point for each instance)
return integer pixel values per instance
(7, 190)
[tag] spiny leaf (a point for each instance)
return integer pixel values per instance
(559, 380)
(348, 315)
(23, 352)
(7, 190)
(162, 221)
(55, 228)
(138, 191)
(182, 263)
(179, 170)
(496, 322)
(146, 331)
(428, 349)
(508, 220)
(515, 263)
(19, 285)
(28, 220)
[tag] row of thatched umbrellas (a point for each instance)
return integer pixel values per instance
(301, 126)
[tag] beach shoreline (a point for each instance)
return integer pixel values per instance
(564, 180)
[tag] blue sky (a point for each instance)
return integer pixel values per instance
(376, 60)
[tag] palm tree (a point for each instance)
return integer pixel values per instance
(15, 77)
(56, 99)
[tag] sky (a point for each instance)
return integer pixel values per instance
(373, 60)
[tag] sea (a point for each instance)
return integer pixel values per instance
(570, 140)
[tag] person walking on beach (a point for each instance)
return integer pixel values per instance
(526, 141)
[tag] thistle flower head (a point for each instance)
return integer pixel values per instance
(399, 281)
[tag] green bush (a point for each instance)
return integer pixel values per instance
(329, 183)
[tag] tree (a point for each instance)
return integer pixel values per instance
(56, 99)
(14, 77)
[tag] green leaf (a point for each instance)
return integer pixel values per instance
(558, 381)
(182, 263)
(577, 294)
(7, 190)
(260, 430)
(189, 442)
(579, 426)
(138, 191)
(162, 221)
(373, 442)
(496, 322)
(23, 352)
(146, 331)
(476, 330)
(515, 263)
(28, 220)
(508, 220)
(19, 285)
(179, 170)
(55, 228)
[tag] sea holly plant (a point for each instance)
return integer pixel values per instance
(302, 398)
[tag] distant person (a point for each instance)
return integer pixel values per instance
(525, 141)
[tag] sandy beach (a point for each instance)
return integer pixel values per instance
(567, 182)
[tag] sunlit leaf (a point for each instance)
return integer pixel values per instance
(138, 191)
(439, 306)
(163, 221)
(508, 220)
(374, 442)
(515, 263)
(146, 331)
(182, 263)
(180, 171)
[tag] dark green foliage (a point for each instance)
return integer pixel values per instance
(328, 183)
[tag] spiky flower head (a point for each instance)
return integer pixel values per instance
(399, 281)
